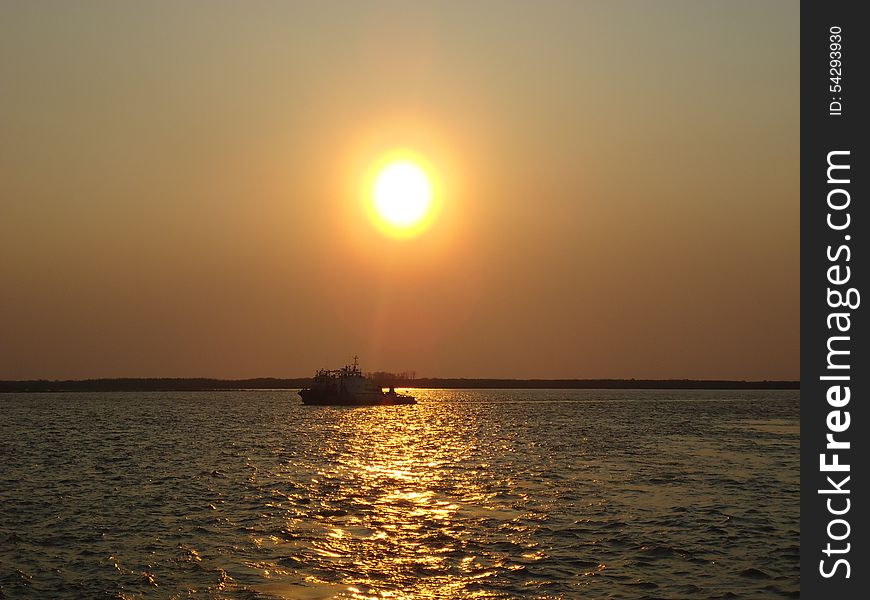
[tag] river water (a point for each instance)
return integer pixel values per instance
(469, 494)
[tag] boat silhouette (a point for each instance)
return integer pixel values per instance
(349, 387)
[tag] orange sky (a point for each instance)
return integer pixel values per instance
(180, 189)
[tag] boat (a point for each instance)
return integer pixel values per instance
(349, 387)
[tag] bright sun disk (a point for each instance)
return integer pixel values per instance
(402, 193)
(402, 197)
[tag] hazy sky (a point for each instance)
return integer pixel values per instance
(180, 188)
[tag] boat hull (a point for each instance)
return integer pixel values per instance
(320, 398)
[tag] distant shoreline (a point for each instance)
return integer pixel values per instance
(267, 383)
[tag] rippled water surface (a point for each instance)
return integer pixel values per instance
(469, 494)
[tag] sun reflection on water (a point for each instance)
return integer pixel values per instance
(400, 505)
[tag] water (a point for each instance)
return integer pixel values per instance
(469, 494)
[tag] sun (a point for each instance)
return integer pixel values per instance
(402, 195)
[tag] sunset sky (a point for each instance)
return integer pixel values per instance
(183, 188)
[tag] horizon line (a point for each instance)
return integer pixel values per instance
(190, 384)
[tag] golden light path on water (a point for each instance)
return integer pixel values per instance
(392, 502)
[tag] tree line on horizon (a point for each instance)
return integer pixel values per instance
(384, 379)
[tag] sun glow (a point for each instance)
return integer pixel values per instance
(402, 197)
